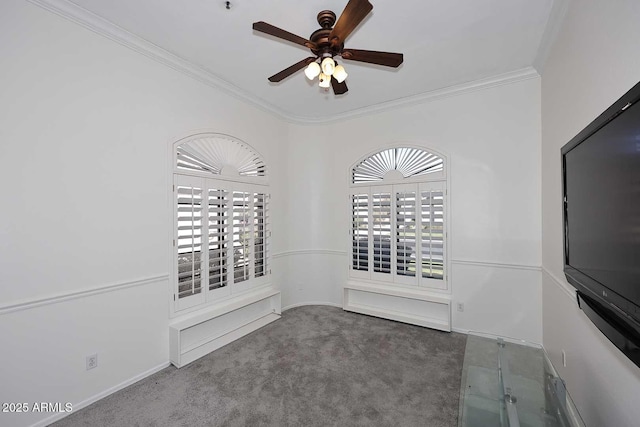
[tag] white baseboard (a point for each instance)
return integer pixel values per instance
(301, 304)
(77, 406)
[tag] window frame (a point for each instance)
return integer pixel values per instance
(230, 184)
(438, 181)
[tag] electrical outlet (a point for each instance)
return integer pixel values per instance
(564, 359)
(460, 306)
(92, 361)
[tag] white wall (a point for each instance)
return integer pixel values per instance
(85, 126)
(492, 140)
(85, 130)
(592, 63)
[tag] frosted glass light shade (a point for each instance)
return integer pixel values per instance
(312, 70)
(328, 65)
(339, 73)
(324, 80)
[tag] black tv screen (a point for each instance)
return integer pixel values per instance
(601, 191)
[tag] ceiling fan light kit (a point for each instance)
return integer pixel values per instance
(340, 73)
(312, 71)
(328, 42)
(328, 64)
(324, 80)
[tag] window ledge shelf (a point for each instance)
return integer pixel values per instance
(414, 306)
(197, 334)
(400, 291)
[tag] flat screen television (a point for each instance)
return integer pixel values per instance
(601, 199)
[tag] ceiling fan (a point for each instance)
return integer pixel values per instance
(328, 42)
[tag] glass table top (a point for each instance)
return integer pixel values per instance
(508, 383)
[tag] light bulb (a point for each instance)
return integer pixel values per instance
(312, 70)
(339, 73)
(324, 80)
(328, 65)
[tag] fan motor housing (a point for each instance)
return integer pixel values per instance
(320, 37)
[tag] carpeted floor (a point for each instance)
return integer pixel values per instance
(317, 366)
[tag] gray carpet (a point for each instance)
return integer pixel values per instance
(317, 366)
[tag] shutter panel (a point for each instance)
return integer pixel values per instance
(360, 231)
(260, 226)
(406, 232)
(241, 220)
(432, 218)
(381, 209)
(218, 237)
(189, 241)
(221, 237)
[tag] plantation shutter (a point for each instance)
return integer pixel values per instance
(409, 162)
(221, 239)
(221, 219)
(406, 233)
(218, 214)
(382, 225)
(260, 238)
(398, 229)
(188, 239)
(398, 233)
(360, 213)
(242, 225)
(432, 260)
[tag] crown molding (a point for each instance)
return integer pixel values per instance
(111, 31)
(425, 97)
(105, 28)
(558, 11)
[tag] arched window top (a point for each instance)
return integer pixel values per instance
(219, 155)
(397, 163)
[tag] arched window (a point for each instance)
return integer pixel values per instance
(398, 204)
(221, 221)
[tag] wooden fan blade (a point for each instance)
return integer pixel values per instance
(354, 12)
(263, 27)
(288, 71)
(338, 88)
(388, 59)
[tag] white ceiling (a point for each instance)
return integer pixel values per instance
(444, 42)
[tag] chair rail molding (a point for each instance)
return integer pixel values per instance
(492, 264)
(27, 304)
